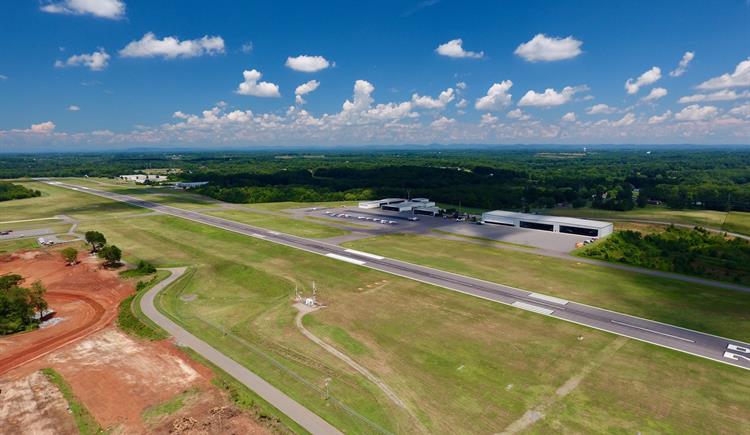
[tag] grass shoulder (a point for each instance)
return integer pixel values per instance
(83, 418)
(131, 319)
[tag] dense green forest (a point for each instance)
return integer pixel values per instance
(532, 178)
(690, 251)
(18, 304)
(10, 191)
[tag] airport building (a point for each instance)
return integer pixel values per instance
(380, 202)
(142, 178)
(189, 185)
(411, 205)
(556, 224)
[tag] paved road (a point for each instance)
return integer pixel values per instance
(728, 351)
(303, 416)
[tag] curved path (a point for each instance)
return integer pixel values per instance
(303, 416)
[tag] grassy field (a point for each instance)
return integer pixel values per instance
(735, 221)
(279, 206)
(297, 227)
(708, 309)
(461, 364)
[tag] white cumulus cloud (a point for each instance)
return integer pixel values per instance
(251, 86)
(682, 66)
(518, 114)
(600, 109)
(427, 102)
(43, 127)
(658, 119)
(112, 9)
(649, 77)
(655, 94)
(550, 97)
(626, 120)
(306, 63)
(569, 117)
(743, 110)
(739, 78)
(171, 47)
(73, 108)
(95, 61)
(545, 48)
(454, 48)
(695, 112)
(722, 95)
(497, 97)
(304, 89)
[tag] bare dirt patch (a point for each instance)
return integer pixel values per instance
(85, 295)
(33, 405)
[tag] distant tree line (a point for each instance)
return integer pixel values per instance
(691, 251)
(9, 191)
(512, 179)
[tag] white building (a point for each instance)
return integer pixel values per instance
(411, 205)
(380, 202)
(557, 224)
(142, 178)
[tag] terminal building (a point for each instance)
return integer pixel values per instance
(556, 224)
(380, 202)
(411, 205)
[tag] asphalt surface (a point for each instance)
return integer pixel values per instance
(727, 351)
(303, 416)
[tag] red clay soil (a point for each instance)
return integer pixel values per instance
(85, 296)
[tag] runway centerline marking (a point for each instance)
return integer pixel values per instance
(532, 308)
(347, 259)
(548, 298)
(652, 331)
(364, 254)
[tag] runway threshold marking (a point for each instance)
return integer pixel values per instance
(364, 254)
(532, 308)
(552, 299)
(347, 259)
(652, 331)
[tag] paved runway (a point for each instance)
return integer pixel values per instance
(719, 349)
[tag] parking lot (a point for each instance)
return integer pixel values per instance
(384, 222)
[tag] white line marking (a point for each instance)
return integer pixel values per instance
(548, 298)
(364, 254)
(533, 308)
(347, 259)
(29, 220)
(260, 236)
(652, 331)
(275, 233)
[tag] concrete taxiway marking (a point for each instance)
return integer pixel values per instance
(652, 331)
(347, 259)
(736, 356)
(552, 299)
(364, 254)
(533, 308)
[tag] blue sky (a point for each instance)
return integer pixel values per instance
(132, 87)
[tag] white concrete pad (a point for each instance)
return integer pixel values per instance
(364, 254)
(532, 308)
(347, 259)
(552, 299)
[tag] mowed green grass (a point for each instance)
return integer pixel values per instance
(162, 194)
(297, 227)
(463, 365)
(703, 308)
(735, 221)
(56, 200)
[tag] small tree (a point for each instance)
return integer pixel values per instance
(96, 240)
(70, 255)
(111, 255)
(36, 297)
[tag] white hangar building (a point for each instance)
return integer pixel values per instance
(555, 224)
